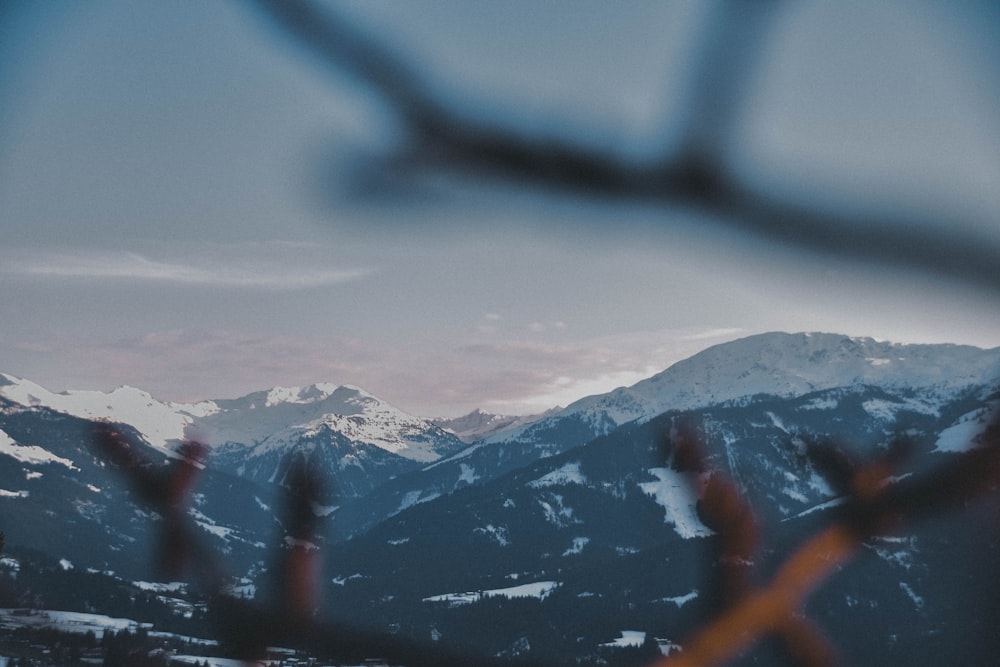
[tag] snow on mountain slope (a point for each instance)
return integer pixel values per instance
(158, 422)
(31, 454)
(266, 421)
(249, 420)
(478, 424)
(782, 364)
(361, 418)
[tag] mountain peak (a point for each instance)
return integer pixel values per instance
(480, 424)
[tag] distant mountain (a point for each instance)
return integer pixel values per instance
(159, 423)
(58, 495)
(574, 539)
(610, 536)
(771, 364)
(359, 439)
(780, 364)
(478, 425)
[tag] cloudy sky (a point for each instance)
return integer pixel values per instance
(180, 207)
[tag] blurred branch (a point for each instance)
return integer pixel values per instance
(876, 504)
(245, 628)
(696, 176)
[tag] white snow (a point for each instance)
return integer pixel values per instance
(567, 474)
(158, 422)
(559, 514)
(783, 364)
(210, 525)
(340, 581)
(628, 639)
(825, 403)
(412, 498)
(681, 600)
(776, 421)
(577, 548)
(672, 491)
(160, 587)
(468, 474)
(4, 493)
(497, 533)
(65, 564)
(818, 508)
(794, 494)
(918, 601)
(539, 590)
(964, 435)
(369, 421)
(69, 621)
(30, 453)
(218, 662)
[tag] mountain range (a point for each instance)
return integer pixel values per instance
(569, 537)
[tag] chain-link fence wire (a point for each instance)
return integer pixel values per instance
(437, 135)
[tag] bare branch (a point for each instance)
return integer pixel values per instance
(696, 176)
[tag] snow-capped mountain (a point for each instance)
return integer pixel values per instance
(611, 535)
(160, 423)
(59, 495)
(782, 364)
(254, 434)
(478, 424)
(359, 440)
(774, 364)
(562, 540)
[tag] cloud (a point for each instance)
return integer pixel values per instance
(252, 272)
(565, 390)
(433, 377)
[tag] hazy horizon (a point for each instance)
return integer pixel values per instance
(188, 208)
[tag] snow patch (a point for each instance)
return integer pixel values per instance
(672, 491)
(341, 581)
(826, 403)
(497, 533)
(30, 454)
(567, 474)
(468, 474)
(918, 601)
(577, 548)
(681, 600)
(415, 498)
(160, 587)
(777, 421)
(69, 621)
(628, 639)
(818, 508)
(559, 514)
(964, 435)
(538, 590)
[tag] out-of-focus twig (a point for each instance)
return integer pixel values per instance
(696, 175)
(245, 628)
(876, 503)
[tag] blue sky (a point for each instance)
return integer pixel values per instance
(178, 213)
